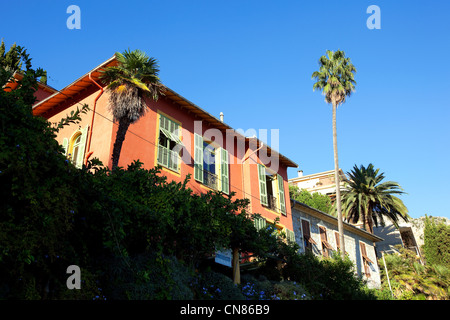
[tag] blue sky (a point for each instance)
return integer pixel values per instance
(253, 61)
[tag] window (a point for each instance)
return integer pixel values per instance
(169, 143)
(210, 178)
(211, 165)
(366, 259)
(338, 243)
(326, 247)
(75, 147)
(271, 190)
(307, 240)
(260, 223)
(290, 235)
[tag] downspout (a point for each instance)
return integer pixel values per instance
(89, 152)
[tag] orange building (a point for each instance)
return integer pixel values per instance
(182, 138)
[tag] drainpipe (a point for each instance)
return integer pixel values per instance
(89, 152)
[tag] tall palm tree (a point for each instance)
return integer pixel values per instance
(335, 79)
(135, 77)
(369, 200)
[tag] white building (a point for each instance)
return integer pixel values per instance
(322, 182)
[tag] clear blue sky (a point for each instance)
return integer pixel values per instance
(253, 61)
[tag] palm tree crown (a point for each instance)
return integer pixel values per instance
(368, 199)
(335, 77)
(135, 77)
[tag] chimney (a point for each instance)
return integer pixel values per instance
(221, 116)
(300, 173)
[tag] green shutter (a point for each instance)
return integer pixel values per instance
(163, 122)
(173, 160)
(224, 172)
(166, 157)
(198, 157)
(290, 235)
(260, 223)
(262, 184)
(281, 194)
(80, 157)
(163, 156)
(65, 145)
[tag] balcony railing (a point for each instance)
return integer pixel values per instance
(210, 180)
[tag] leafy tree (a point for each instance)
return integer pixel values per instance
(368, 199)
(37, 192)
(336, 81)
(135, 77)
(436, 246)
(315, 200)
(12, 60)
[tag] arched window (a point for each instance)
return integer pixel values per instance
(75, 147)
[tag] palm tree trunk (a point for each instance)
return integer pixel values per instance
(124, 123)
(338, 185)
(367, 219)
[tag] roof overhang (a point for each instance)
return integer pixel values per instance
(18, 76)
(73, 89)
(84, 82)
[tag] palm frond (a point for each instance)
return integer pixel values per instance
(135, 76)
(368, 198)
(338, 72)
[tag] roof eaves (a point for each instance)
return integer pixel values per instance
(172, 95)
(74, 83)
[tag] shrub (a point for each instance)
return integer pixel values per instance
(411, 280)
(330, 278)
(436, 246)
(211, 285)
(262, 288)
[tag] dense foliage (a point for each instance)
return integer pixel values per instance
(315, 200)
(410, 280)
(436, 246)
(369, 200)
(12, 61)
